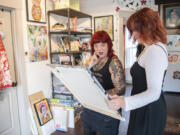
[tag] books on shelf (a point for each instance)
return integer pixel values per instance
(85, 58)
(64, 96)
(66, 43)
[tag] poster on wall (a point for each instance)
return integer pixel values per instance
(37, 42)
(173, 42)
(36, 10)
(104, 23)
(174, 58)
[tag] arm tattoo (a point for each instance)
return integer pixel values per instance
(117, 76)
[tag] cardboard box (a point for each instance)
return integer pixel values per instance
(60, 4)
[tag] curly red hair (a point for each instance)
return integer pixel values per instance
(148, 24)
(102, 36)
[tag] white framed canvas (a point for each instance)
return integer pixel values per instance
(85, 88)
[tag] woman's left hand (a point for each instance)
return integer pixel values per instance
(116, 102)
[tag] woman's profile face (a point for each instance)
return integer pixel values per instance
(136, 36)
(101, 49)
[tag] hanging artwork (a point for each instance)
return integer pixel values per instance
(36, 10)
(174, 58)
(134, 4)
(104, 23)
(176, 75)
(171, 16)
(173, 42)
(43, 111)
(37, 40)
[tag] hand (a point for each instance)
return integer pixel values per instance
(94, 60)
(116, 102)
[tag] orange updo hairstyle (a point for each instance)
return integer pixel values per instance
(102, 36)
(148, 24)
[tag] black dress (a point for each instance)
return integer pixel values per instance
(150, 119)
(94, 122)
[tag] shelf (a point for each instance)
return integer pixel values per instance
(70, 32)
(72, 13)
(66, 94)
(53, 53)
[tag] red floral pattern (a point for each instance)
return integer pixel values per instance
(5, 78)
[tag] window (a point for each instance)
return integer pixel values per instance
(130, 54)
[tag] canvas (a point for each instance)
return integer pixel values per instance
(85, 88)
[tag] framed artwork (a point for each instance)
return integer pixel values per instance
(171, 16)
(37, 42)
(36, 10)
(43, 111)
(104, 23)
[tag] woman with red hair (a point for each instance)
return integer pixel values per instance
(108, 70)
(147, 103)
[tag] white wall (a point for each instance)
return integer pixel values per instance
(37, 73)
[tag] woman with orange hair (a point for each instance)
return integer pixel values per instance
(108, 70)
(147, 103)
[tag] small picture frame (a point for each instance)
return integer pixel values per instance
(104, 23)
(36, 11)
(171, 16)
(43, 111)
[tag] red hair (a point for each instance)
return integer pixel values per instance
(148, 24)
(102, 36)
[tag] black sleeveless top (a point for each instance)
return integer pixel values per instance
(149, 119)
(103, 76)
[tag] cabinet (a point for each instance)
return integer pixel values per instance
(70, 32)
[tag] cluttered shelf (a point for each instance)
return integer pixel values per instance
(70, 32)
(71, 52)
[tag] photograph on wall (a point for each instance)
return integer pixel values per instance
(104, 23)
(43, 111)
(36, 10)
(37, 42)
(173, 42)
(171, 13)
(176, 75)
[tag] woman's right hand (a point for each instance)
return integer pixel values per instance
(94, 60)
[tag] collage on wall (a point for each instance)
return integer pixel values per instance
(37, 42)
(173, 47)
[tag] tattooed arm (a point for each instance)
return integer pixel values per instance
(117, 77)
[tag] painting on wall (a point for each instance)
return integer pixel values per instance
(174, 58)
(173, 42)
(171, 16)
(43, 111)
(104, 23)
(37, 42)
(36, 10)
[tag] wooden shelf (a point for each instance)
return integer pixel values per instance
(72, 13)
(70, 32)
(53, 53)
